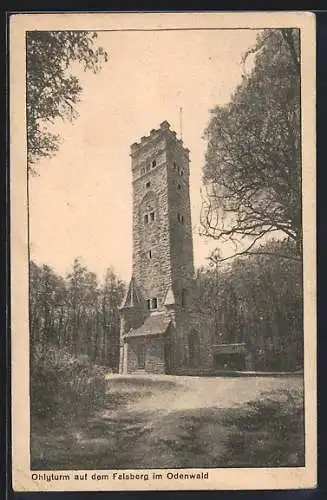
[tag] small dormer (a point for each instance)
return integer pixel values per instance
(169, 300)
(132, 297)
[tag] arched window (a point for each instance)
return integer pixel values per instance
(194, 349)
(184, 297)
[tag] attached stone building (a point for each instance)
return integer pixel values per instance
(161, 332)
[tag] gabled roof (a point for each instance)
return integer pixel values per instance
(155, 324)
(132, 296)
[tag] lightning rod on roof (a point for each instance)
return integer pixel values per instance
(181, 122)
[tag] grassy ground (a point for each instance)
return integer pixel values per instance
(165, 422)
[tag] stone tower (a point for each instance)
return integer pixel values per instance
(162, 228)
(157, 317)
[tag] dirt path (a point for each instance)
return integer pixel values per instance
(158, 422)
(179, 424)
(191, 393)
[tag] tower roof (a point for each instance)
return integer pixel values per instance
(132, 296)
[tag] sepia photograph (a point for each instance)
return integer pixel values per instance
(163, 251)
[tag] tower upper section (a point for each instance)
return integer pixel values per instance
(162, 228)
(159, 147)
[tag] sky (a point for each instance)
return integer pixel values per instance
(81, 201)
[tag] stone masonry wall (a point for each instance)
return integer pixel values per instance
(131, 352)
(186, 322)
(163, 247)
(130, 317)
(180, 223)
(152, 272)
(155, 359)
(154, 354)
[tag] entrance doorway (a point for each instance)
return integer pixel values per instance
(194, 349)
(140, 353)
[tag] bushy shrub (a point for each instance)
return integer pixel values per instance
(63, 387)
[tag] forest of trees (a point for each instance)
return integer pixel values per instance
(76, 313)
(253, 183)
(252, 176)
(258, 300)
(254, 299)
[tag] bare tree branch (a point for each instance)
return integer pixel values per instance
(252, 173)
